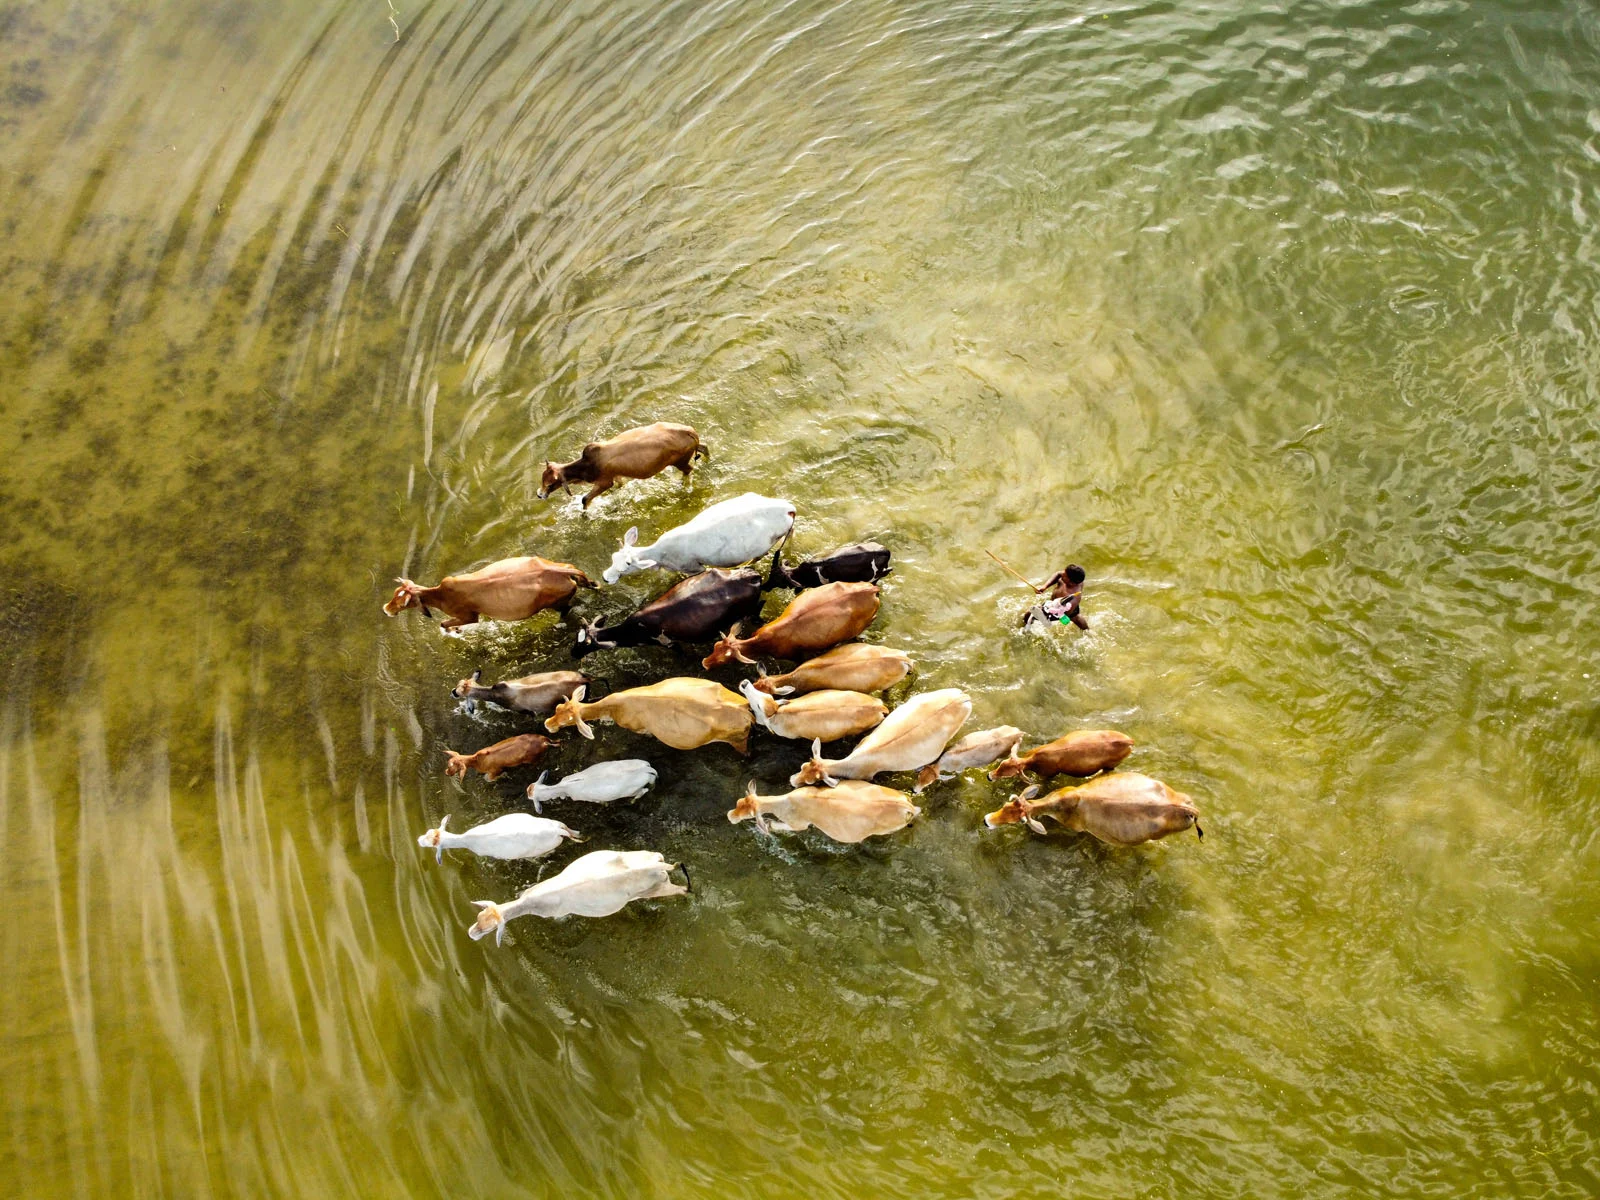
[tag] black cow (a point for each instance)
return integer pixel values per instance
(861, 562)
(700, 609)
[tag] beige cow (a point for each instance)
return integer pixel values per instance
(685, 713)
(851, 812)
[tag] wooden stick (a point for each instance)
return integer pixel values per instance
(999, 560)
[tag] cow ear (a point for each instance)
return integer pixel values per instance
(631, 538)
(646, 564)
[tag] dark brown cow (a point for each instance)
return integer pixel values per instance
(693, 610)
(633, 454)
(512, 589)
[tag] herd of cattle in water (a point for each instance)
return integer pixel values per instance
(829, 696)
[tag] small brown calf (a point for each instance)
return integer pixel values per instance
(633, 454)
(494, 760)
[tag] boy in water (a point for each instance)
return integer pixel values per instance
(1066, 597)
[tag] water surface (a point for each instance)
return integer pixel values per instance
(1280, 318)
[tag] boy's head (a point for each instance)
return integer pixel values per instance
(1075, 573)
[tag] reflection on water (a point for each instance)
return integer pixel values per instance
(1282, 322)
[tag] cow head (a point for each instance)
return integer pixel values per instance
(761, 704)
(407, 595)
(1009, 767)
(1009, 813)
(814, 771)
(727, 650)
(490, 920)
(431, 839)
(589, 640)
(570, 712)
(554, 477)
(463, 691)
(628, 559)
(1015, 810)
(748, 809)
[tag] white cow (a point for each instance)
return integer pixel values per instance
(619, 779)
(515, 835)
(596, 885)
(724, 535)
(914, 735)
(975, 750)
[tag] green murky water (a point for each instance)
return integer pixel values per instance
(1280, 318)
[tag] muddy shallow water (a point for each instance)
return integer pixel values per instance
(1280, 319)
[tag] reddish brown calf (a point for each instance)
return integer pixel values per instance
(494, 760)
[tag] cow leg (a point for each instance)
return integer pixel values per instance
(600, 486)
(686, 464)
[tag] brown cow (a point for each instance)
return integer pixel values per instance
(493, 760)
(814, 620)
(512, 589)
(633, 454)
(1082, 753)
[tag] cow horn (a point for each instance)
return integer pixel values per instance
(755, 813)
(577, 717)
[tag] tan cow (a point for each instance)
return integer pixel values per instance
(814, 620)
(1125, 809)
(851, 812)
(512, 589)
(494, 760)
(1082, 753)
(856, 667)
(684, 713)
(826, 716)
(634, 454)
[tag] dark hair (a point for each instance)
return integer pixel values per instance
(1075, 573)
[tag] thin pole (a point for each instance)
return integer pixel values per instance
(1001, 561)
